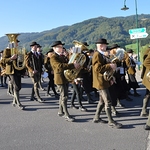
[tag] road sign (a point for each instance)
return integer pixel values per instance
(138, 35)
(137, 30)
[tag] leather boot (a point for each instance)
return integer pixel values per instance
(98, 111)
(48, 88)
(114, 111)
(36, 91)
(10, 89)
(144, 108)
(60, 112)
(89, 99)
(119, 103)
(17, 100)
(32, 95)
(64, 106)
(108, 112)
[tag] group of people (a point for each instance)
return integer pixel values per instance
(100, 73)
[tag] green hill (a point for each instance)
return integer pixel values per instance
(115, 30)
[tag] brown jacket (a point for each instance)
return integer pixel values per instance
(143, 67)
(146, 63)
(99, 66)
(33, 63)
(59, 65)
(6, 60)
(130, 68)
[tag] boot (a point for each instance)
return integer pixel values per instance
(60, 112)
(32, 95)
(114, 111)
(47, 92)
(17, 101)
(136, 94)
(98, 111)
(111, 122)
(89, 99)
(36, 91)
(64, 106)
(10, 89)
(108, 112)
(119, 103)
(144, 108)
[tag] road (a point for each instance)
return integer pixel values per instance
(39, 128)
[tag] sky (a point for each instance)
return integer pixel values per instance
(27, 16)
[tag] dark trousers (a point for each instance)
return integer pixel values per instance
(51, 84)
(76, 94)
(15, 80)
(133, 82)
(3, 79)
(35, 91)
(40, 83)
(63, 88)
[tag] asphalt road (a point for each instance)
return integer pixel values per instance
(39, 128)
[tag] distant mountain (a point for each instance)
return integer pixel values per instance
(115, 30)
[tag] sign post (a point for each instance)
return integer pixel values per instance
(137, 34)
(137, 30)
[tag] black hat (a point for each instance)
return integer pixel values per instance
(57, 43)
(50, 50)
(114, 46)
(102, 41)
(85, 43)
(130, 51)
(18, 41)
(33, 43)
(38, 45)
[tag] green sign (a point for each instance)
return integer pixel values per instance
(137, 30)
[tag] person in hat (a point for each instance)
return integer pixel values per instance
(99, 66)
(120, 87)
(59, 65)
(85, 43)
(146, 83)
(145, 70)
(3, 77)
(41, 57)
(33, 64)
(14, 75)
(131, 71)
(114, 46)
(86, 76)
(50, 72)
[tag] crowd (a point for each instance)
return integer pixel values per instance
(103, 72)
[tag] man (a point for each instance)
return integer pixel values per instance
(50, 72)
(41, 58)
(99, 66)
(85, 74)
(14, 74)
(59, 65)
(33, 64)
(131, 71)
(3, 77)
(146, 83)
(144, 112)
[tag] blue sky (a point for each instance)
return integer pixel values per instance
(22, 16)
